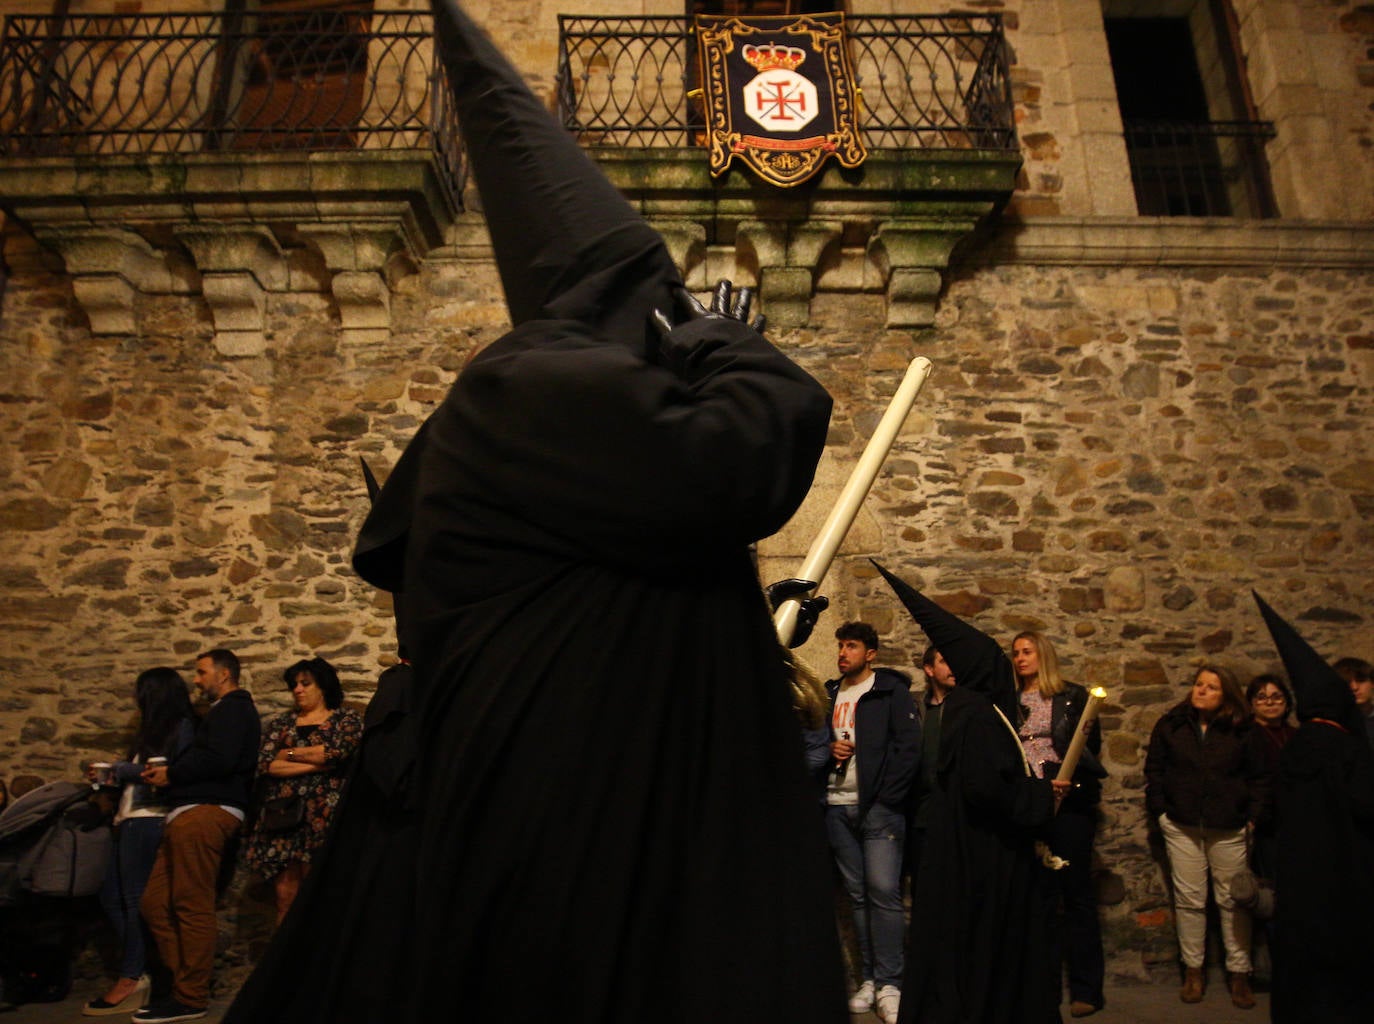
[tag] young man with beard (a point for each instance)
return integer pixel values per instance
(875, 749)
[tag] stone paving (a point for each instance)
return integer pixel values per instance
(1128, 1002)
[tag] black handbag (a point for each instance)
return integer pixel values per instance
(281, 814)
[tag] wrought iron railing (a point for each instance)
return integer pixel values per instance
(101, 84)
(1212, 169)
(927, 82)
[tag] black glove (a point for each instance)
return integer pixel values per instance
(810, 607)
(688, 308)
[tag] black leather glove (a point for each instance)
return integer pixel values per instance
(688, 308)
(810, 607)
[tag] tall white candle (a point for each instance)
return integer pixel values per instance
(1080, 735)
(856, 488)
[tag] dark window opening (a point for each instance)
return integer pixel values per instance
(302, 65)
(1195, 146)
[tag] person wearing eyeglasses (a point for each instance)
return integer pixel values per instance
(1271, 707)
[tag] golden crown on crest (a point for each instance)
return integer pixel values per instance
(771, 56)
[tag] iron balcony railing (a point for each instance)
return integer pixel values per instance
(144, 84)
(927, 82)
(1210, 169)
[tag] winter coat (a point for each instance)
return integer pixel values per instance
(887, 740)
(1215, 780)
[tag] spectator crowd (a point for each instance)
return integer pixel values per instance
(963, 846)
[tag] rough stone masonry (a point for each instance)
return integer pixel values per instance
(1115, 456)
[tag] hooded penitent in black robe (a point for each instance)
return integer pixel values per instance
(607, 817)
(979, 951)
(1324, 843)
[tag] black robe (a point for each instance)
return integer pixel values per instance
(1324, 886)
(979, 944)
(613, 820)
(980, 950)
(606, 816)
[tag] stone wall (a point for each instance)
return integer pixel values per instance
(1115, 456)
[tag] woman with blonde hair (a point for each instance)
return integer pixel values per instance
(1050, 711)
(1206, 784)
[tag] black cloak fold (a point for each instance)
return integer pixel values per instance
(979, 951)
(1324, 848)
(611, 818)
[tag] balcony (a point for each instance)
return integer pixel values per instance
(928, 83)
(243, 153)
(248, 153)
(937, 118)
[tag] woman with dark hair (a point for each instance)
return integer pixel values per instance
(301, 769)
(1271, 704)
(1206, 785)
(165, 728)
(1050, 710)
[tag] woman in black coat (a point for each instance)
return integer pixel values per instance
(1206, 785)
(1050, 710)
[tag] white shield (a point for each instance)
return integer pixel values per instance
(780, 101)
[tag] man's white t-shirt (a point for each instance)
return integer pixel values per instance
(843, 790)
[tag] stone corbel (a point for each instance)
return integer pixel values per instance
(109, 267)
(916, 253)
(239, 265)
(686, 242)
(786, 256)
(365, 260)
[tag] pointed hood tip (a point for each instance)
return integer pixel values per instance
(1318, 690)
(979, 663)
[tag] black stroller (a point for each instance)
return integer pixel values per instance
(54, 845)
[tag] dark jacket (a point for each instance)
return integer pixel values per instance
(1212, 781)
(1066, 708)
(887, 740)
(218, 766)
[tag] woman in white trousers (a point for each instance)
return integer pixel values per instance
(1206, 784)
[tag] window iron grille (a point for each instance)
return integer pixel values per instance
(1208, 169)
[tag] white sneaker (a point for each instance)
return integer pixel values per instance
(862, 1000)
(889, 998)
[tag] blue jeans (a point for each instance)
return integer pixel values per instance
(869, 855)
(131, 861)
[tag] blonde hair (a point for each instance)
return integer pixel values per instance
(1048, 681)
(809, 699)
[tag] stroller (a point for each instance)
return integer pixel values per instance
(54, 845)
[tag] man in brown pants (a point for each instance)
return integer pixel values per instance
(208, 788)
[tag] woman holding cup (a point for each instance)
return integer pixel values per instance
(166, 726)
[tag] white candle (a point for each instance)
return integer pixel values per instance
(856, 488)
(1080, 735)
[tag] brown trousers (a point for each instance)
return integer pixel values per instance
(179, 901)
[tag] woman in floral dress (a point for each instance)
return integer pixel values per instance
(301, 769)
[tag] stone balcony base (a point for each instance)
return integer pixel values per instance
(888, 226)
(234, 228)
